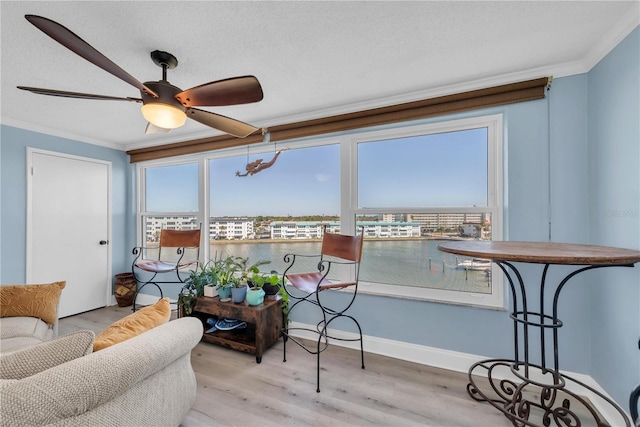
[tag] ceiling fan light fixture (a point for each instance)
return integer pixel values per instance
(163, 115)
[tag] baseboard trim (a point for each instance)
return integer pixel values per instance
(444, 359)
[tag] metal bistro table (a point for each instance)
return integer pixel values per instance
(525, 392)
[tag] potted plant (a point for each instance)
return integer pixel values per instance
(238, 289)
(256, 292)
(210, 290)
(210, 278)
(255, 296)
(269, 283)
(193, 288)
(186, 299)
(225, 270)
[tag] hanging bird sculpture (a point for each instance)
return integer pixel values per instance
(257, 165)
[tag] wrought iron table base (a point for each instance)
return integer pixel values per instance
(535, 402)
(521, 377)
(532, 394)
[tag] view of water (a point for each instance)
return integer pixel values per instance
(405, 262)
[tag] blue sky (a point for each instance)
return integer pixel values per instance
(448, 169)
(437, 170)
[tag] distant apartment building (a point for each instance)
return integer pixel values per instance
(231, 228)
(471, 229)
(390, 226)
(219, 228)
(153, 225)
(394, 217)
(446, 221)
(300, 229)
(313, 230)
(374, 229)
(476, 229)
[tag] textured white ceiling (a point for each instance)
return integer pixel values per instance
(312, 58)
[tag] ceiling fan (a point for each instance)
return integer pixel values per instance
(164, 106)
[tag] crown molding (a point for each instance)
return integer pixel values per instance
(625, 26)
(58, 133)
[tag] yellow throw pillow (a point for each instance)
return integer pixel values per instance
(134, 324)
(39, 301)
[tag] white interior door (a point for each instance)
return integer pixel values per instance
(68, 227)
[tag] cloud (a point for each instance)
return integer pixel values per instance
(322, 177)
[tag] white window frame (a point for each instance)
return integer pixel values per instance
(350, 209)
(348, 198)
(141, 210)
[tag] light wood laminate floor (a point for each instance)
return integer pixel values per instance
(233, 390)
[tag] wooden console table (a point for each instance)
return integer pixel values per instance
(264, 323)
(520, 388)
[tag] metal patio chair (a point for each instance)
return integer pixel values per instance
(177, 250)
(313, 287)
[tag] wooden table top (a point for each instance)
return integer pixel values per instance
(542, 252)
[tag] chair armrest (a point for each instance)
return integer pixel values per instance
(325, 266)
(337, 285)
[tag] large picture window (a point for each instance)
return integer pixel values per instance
(423, 185)
(278, 210)
(407, 188)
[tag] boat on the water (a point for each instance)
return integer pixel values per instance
(475, 264)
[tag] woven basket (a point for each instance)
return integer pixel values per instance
(125, 289)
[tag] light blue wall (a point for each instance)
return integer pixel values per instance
(614, 212)
(13, 175)
(569, 222)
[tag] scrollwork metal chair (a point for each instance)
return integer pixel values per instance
(633, 406)
(343, 253)
(177, 250)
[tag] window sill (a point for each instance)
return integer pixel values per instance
(467, 299)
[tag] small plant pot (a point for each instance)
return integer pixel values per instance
(270, 289)
(210, 291)
(224, 292)
(255, 296)
(238, 294)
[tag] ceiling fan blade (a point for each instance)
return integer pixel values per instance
(151, 128)
(70, 40)
(79, 95)
(225, 124)
(233, 91)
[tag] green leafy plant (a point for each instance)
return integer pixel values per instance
(237, 282)
(198, 278)
(258, 279)
(225, 269)
(187, 298)
(249, 270)
(285, 304)
(228, 271)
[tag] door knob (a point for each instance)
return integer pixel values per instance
(103, 242)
